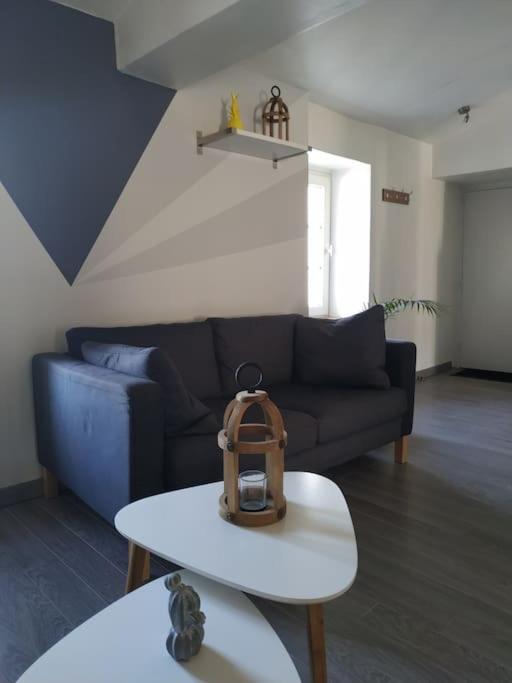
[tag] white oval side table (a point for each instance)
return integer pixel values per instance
(309, 557)
(125, 643)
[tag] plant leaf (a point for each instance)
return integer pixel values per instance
(397, 305)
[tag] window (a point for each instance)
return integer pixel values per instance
(339, 220)
(319, 246)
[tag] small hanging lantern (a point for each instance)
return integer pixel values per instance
(275, 113)
(252, 498)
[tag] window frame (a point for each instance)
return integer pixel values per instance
(322, 177)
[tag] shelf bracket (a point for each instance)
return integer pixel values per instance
(291, 156)
(199, 146)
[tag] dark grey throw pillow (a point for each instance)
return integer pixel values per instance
(182, 409)
(265, 339)
(347, 352)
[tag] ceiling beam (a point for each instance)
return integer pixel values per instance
(176, 44)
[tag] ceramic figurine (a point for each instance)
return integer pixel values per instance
(187, 632)
(235, 118)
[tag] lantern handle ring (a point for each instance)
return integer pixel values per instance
(275, 87)
(251, 388)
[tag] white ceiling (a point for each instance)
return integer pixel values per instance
(406, 65)
(403, 64)
(106, 9)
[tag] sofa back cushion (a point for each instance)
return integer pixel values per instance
(189, 345)
(348, 352)
(266, 340)
(182, 408)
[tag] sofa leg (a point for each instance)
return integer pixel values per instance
(50, 484)
(401, 450)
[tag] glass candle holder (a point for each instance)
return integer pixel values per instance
(252, 485)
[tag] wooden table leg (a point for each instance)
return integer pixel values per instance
(138, 567)
(316, 633)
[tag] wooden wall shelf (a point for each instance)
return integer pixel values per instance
(251, 144)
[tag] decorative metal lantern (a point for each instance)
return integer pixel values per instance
(237, 439)
(276, 113)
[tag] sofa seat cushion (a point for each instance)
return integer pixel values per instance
(189, 345)
(302, 428)
(194, 458)
(266, 340)
(341, 412)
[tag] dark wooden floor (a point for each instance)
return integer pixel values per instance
(433, 597)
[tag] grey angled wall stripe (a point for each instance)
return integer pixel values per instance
(72, 127)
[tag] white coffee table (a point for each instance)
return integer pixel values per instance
(309, 557)
(125, 643)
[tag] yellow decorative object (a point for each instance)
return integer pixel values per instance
(235, 119)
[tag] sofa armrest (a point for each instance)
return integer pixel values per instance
(401, 368)
(99, 431)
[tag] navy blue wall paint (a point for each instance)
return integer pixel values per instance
(72, 128)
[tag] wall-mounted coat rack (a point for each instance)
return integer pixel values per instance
(396, 196)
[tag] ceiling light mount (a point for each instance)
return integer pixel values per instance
(465, 111)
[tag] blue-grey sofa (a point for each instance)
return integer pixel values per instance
(101, 432)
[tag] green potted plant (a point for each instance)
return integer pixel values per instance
(397, 305)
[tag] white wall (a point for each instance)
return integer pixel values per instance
(416, 249)
(190, 236)
(188, 227)
(486, 302)
(34, 302)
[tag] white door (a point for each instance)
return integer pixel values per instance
(487, 281)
